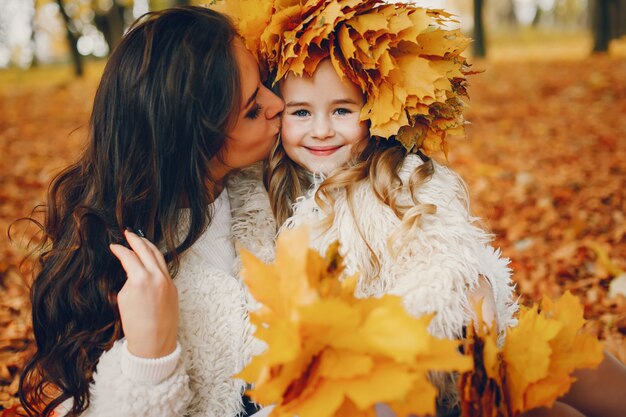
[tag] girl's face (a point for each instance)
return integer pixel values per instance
(258, 120)
(321, 129)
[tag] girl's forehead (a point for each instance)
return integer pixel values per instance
(324, 80)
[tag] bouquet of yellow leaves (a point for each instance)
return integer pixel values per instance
(535, 365)
(330, 353)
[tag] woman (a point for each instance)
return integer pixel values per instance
(179, 106)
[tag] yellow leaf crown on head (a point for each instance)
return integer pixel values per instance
(404, 59)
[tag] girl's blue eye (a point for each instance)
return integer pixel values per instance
(342, 111)
(301, 113)
(254, 112)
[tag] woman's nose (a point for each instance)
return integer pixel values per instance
(275, 106)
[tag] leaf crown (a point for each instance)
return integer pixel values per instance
(403, 57)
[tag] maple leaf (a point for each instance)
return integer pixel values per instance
(257, 15)
(541, 372)
(330, 352)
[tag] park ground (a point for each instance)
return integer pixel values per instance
(544, 159)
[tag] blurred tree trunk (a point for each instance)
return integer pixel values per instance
(609, 22)
(72, 39)
(479, 47)
(510, 14)
(602, 27)
(180, 2)
(33, 40)
(111, 23)
(620, 30)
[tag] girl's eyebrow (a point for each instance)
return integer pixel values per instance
(296, 104)
(346, 101)
(335, 102)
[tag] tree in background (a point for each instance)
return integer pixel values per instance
(72, 39)
(609, 22)
(479, 46)
(110, 18)
(111, 21)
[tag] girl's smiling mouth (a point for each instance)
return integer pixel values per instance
(322, 150)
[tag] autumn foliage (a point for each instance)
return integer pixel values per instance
(536, 364)
(405, 59)
(330, 353)
(545, 162)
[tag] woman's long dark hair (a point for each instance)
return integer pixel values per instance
(160, 114)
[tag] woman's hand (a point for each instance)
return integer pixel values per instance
(148, 301)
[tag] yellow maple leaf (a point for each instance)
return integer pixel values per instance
(387, 382)
(535, 365)
(323, 401)
(539, 372)
(328, 351)
(418, 399)
(339, 363)
(528, 362)
(250, 16)
(546, 391)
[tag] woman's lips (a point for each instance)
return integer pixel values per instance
(322, 150)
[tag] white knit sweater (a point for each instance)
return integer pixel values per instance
(215, 341)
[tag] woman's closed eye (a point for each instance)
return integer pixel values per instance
(254, 112)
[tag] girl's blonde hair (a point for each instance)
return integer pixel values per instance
(380, 162)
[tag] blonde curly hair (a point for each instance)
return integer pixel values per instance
(378, 163)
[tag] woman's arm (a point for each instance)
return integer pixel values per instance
(123, 386)
(141, 374)
(600, 392)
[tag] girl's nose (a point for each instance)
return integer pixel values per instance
(321, 128)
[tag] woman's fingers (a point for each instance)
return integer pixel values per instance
(157, 255)
(149, 255)
(129, 259)
(148, 300)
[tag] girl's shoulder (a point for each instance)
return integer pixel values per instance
(444, 186)
(410, 163)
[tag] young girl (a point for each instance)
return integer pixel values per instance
(358, 177)
(401, 219)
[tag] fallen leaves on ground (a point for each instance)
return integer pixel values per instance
(40, 113)
(545, 162)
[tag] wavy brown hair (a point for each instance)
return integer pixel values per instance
(164, 103)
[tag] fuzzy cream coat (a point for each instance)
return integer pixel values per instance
(216, 342)
(435, 270)
(437, 265)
